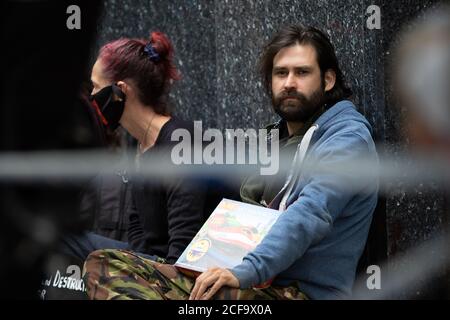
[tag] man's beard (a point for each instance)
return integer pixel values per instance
(300, 108)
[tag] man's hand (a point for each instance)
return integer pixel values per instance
(214, 279)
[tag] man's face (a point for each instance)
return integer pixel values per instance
(297, 85)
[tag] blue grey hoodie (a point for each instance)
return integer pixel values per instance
(317, 241)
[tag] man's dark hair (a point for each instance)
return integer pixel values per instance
(299, 34)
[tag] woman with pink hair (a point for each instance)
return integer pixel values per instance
(131, 81)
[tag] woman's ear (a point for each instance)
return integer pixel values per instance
(330, 79)
(127, 89)
(123, 86)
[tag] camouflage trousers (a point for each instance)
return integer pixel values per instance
(124, 275)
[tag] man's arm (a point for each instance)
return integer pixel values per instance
(310, 218)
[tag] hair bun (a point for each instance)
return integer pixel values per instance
(164, 48)
(161, 44)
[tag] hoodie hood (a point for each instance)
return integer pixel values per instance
(338, 115)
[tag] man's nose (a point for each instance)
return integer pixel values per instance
(290, 82)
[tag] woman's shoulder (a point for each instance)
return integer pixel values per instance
(173, 124)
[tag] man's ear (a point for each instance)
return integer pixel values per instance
(330, 79)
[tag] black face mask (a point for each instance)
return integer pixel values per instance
(109, 104)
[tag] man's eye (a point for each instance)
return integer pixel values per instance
(280, 73)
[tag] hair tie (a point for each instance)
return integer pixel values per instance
(151, 52)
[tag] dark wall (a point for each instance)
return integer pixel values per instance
(40, 110)
(217, 44)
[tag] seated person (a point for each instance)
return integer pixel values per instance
(313, 249)
(131, 82)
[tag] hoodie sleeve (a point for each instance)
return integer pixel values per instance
(310, 217)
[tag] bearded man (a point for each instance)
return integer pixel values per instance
(312, 250)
